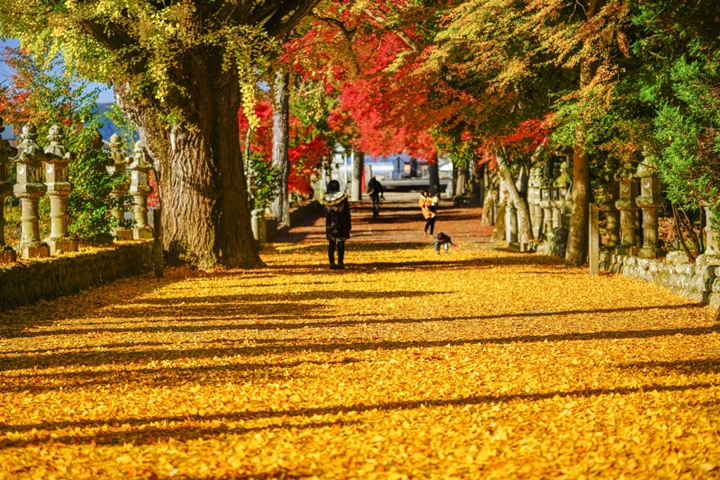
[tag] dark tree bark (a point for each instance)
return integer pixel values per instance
(577, 242)
(434, 172)
(477, 190)
(356, 186)
(281, 145)
(205, 214)
(192, 133)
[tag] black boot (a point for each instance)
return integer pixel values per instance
(341, 255)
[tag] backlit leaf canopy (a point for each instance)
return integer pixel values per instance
(148, 42)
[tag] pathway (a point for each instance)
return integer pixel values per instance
(486, 364)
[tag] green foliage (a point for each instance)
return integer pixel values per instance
(264, 181)
(126, 129)
(88, 205)
(46, 95)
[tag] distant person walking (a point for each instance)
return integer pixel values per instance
(337, 223)
(428, 206)
(375, 191)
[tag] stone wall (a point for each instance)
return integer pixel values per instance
(45, 279)
(699, 282)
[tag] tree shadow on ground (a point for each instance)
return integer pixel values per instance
(689, 367)
(87, 304)
(297, 345)
(152, 429)
(152, 376)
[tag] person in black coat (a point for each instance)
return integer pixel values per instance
(337, 223)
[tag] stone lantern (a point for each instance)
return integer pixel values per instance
(534, 198)
(628, 209)
(712, 245)
(117, 170)
(140, 189)
(545, 205)
(563, 186)
(29, 188)
(651, 202)
(555, 197)
(607, 195)
(58, 189)
(7, 254)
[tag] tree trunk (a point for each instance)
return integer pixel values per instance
(461, 181)
(450, 192)
(523, 212)
(478, 185)
(434, 172)
(577, 242)
(356, 187)
(492, 196)
(203, 190)
(281, 143)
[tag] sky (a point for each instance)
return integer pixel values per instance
(106, 93)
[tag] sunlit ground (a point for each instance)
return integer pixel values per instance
(484, 364)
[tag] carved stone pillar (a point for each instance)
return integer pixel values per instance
(7, 254)
(29, 188)
(58, 189)
(609, 194)
(534, 198)
(140, 189)
(628, 210)
(563, 186)
(712, 247)
(546, 207)
(117, 170)
(651, 202)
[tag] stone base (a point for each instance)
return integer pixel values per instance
(8, 255)
(650, 253)
(58, 247)
(626, 250)
(37, 250)
(123, 234)
(708, 260)
(142, 233)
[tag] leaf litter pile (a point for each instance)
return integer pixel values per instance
(485, 364)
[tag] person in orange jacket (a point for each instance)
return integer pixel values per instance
(428, 206)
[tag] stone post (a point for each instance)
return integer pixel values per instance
(140, 189)
(258, 225)
(117, 170)
(7, 254)
(534, 198)
(29, 188)
(545, 205)
(609, 193)
(651, 202)
(628, 209)
(712, 245)
(594, 238)
(58, 189)
(563, 184)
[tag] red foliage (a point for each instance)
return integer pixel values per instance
(307, 147)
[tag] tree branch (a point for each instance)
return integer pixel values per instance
(403, 36)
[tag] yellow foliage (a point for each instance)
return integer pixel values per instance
(485, 365)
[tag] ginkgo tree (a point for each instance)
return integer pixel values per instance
(181, 71)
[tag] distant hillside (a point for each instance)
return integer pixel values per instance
(107, 129)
